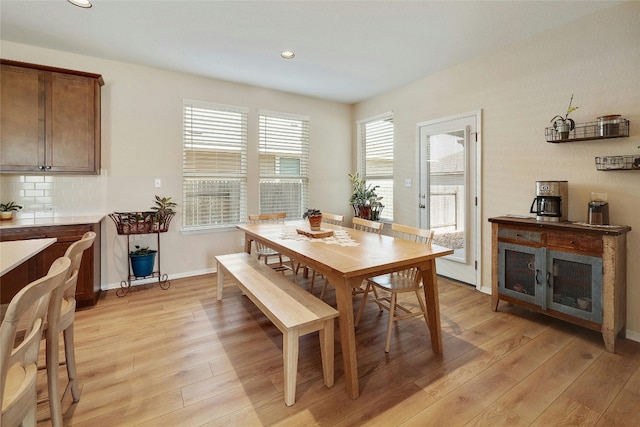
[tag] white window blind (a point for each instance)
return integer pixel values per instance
(376, 143)
(214, 167)
(284, 163)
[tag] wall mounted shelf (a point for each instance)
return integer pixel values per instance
(626, 162)
(590, 131)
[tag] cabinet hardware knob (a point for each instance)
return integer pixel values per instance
(41, 167)
(48, 167)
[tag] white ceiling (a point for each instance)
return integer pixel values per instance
(346, 51)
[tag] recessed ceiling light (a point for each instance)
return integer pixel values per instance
(288, 54)
(81, 3)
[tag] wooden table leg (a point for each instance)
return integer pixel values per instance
(347, 335)
(430, 287)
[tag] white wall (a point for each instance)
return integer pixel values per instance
(142, 140)
(519, 89)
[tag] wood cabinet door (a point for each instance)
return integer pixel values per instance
(71, 124)
(22, 119)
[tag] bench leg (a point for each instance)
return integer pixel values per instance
(290, 343)
(220, 282)
(327, 352)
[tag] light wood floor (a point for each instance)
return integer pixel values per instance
(179, 357)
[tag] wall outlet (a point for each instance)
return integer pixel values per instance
(407, 182)
(50, 208)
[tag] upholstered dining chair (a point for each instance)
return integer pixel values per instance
(265, 251)
(392, 284)
(327, 218)
(60, 318)
(26, 313)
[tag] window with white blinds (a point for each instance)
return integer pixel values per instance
(214, 171)
(284, 163)
(376, 160)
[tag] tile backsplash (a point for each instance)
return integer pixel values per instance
(53, 195)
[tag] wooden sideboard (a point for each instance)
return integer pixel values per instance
(574, 272)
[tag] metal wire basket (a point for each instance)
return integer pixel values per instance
(141, 222)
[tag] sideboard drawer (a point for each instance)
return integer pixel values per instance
(575, 243)
(519, 235)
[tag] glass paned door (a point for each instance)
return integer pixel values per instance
(449, 177)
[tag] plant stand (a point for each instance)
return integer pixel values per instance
(141, 223)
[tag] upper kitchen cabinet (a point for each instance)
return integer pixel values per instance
(50, 120)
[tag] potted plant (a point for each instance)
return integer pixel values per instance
(142, 261)
(163, 212)
(563, 124)
(7, 210)
(364, 200)
(315, 218)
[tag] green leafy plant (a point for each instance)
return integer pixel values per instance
(311, 213)
(9, 207)
(142, 251)
(565, 120)
(163, 207)
(363, 194)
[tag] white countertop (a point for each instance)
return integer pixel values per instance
(40, 222)
(16, 252)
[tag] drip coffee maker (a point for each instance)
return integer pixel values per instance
(551, 201)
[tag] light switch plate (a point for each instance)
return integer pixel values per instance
(407, 182)
(158, 183)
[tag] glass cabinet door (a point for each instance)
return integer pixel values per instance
(521, 270)
(575, 285)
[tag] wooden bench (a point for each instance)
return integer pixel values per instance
(293, 310)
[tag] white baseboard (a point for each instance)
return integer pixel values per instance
(633, 335)
(111, 286)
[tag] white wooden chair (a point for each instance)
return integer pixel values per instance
(398, 282)
(367, 225)
(327, 218)
(362, 225)
(265, 251)
(60, 318)
(26, 313)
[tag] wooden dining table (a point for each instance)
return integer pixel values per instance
(346, 265)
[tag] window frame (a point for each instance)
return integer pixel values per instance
(240, 143)
(279, 143)
(387, 201)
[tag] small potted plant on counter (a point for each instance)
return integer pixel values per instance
(563, 124)
(142, 261)
(7, 210)
(315, 218)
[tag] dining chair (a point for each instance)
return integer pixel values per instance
(327, 218)
(60, 318)
(265, 251)
(362, 225)
(367, 225)
(392, 284)
(26, 314)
